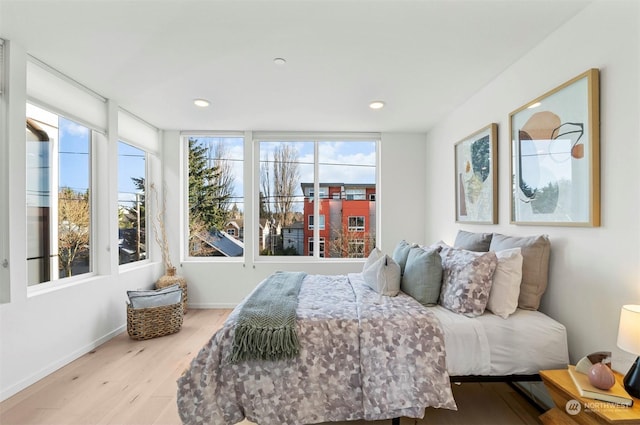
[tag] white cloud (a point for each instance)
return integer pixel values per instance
(73, 129)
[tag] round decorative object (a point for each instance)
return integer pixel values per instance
(169, 279)
(600, 376)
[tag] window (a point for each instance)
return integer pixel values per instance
(311, 244)
(356, 224)
(356, 248)
(132, 216)
(215, 195)
(58, 181)
(283, 166)
(333, 180)
(320, 222)
(231, 232)
(356, 194)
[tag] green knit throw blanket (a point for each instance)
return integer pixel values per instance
(266, 327)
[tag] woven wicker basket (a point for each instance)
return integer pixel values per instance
(146, 323)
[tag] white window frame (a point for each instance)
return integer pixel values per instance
(359, 194)
(321, 243)
(360, 252)
(356, 227)
(5, 289)
(57, 281)
(247, 172)
(148, 229)
(322, 191)
(269, 136)
(321, 224)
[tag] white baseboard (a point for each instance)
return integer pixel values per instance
(16, 388)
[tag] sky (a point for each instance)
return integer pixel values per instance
(339, 161)
(131, 164)
(74, 155)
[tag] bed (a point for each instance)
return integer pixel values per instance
(365, 355)
(522, 345)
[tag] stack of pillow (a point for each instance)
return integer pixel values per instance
(144, 298)
(481, 271)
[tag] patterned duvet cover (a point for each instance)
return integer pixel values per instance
(363, 356)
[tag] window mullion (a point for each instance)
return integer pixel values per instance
(316, 201)
(54, 190)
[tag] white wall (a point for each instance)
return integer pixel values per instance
(44, 330)
(224, 283)
(594, 271)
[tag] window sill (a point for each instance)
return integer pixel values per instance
(52, 286)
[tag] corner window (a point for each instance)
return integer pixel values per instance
(58, 181)
(132, 212)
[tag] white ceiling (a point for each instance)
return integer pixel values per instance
(423, 58)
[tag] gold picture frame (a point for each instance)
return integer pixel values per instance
(555, 156)
(476, 179)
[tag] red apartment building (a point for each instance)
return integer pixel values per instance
(347, 219)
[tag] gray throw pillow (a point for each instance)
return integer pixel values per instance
(535, 265)
(400, 254)
(471, 241)
(422, 276)
(155, 298)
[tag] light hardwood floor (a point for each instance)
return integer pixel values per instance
(127, 382)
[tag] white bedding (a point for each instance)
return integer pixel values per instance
(488, 345)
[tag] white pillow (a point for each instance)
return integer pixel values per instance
(374, 256)
(503, 298)
(382, 274)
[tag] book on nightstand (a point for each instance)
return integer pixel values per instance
(615, 394)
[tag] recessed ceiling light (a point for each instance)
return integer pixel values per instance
(203, 103)
(376, 104)
(534, 105)
(279, 61)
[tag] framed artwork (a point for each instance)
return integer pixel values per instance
(477, 177)
(555, 156)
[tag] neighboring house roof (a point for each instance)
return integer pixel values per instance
(223, 243)
(346, 185)
(236, 223)
(296, 225)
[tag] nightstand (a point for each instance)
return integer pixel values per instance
(588, 411)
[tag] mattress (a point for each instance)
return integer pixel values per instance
(488, 345)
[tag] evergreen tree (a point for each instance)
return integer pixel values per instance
(208, 201)
(134, 217)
